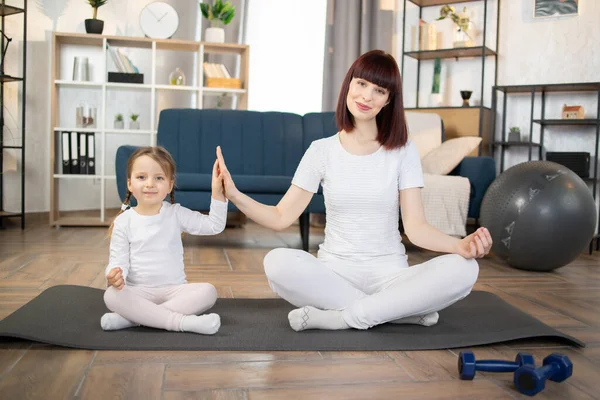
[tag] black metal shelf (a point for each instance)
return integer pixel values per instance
(8, 214)
(458, 52)
(590, 122)
(8, 78)
(553, 87)
(448, 108)
(481, 53)
(518, 144)
(430, 3)
(5, 10)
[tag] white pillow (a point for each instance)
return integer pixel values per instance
(443, 159)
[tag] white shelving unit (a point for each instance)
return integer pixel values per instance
(153, 92)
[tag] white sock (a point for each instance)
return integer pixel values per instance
(207, 324)
(425, 320)
(312, 318)
(113, 322)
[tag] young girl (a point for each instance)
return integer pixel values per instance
(147, 283)
(361, 277)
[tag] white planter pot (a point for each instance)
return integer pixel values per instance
(214, 35)
(134, 124)
(435, 100)
(119, 125)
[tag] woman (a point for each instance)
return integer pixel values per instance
(361, 277)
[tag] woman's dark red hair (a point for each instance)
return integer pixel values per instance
(379, 68)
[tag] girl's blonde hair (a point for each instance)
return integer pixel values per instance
(163, 158)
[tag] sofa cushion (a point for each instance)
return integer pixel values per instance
(189, 182)
(253, 142)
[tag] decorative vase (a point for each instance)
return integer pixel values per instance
(94, 26)
(119, 125)
(435, 100)
(134, 124)
(214, 35)
(514, 136)
(177, 77)
(466, 95)
(463, 33)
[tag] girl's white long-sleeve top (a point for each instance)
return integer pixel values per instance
(149, 249)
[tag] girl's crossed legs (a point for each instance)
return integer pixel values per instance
(361, 298)
(173, 308)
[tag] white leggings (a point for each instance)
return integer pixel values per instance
(160, 307)
(369, 295)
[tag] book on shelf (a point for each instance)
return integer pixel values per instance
(78, 153)
(121, 61)
(217, 76)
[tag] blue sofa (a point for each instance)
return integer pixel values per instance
(262, 151)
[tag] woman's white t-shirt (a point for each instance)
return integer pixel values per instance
(361, 197)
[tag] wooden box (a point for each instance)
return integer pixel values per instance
(229, 83)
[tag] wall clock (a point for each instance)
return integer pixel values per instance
(159, 20)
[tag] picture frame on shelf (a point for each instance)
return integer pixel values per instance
(555, 8)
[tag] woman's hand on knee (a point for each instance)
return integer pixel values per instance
(115, 278)
(476, 245)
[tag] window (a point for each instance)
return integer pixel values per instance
(286, 39)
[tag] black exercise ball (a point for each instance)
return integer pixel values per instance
(541, 215)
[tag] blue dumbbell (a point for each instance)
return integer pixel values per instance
(467, 364)
(530, 380)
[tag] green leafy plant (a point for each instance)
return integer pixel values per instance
(437, 69)
(134, 117)
(119, 117)
(515, 129)
(218, 12)
(96, 4)
(462, 21)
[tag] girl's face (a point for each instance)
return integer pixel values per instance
(365, 99)
(148, 182)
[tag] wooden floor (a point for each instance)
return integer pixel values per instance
(39, 257)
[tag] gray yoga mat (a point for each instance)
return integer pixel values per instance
(69, 316)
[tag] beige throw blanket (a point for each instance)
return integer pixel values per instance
(446, 203)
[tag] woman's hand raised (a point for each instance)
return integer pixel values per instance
(230, 190)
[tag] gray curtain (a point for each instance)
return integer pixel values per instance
(353, 28)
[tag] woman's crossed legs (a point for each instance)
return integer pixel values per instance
(331, 299)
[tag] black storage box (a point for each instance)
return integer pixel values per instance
(578, 162)
(122, 77)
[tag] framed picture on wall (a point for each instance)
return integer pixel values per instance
(555, 8)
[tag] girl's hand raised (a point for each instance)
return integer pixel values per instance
(476, 245)
(218, 193)
(230, 190)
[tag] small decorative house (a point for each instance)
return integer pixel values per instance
(572, 112)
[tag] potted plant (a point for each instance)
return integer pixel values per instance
(119, 124)
(462, 38)
(134, 123)
(218, 14)
(435, 98)
(514, 135)
(95, 25)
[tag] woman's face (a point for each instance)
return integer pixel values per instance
(365, 99)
